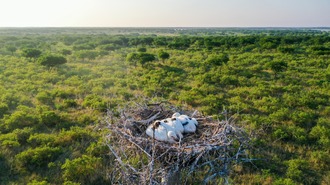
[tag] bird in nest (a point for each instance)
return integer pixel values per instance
(189, 124)
(162, 132)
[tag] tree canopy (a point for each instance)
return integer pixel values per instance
(163, 55)
(141, 58)
(51, 60)
(31, 53)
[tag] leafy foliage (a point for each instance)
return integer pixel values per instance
(31, 53)
(50, 117)
(37, 157)
(163, 55)
(83, 169)
(51, 60)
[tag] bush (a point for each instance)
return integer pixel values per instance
(296, 169)
(20, 119)
(217, 60)
(50, 118)
(9, 140)
(142, 50)
(86, 54)
(37, 157)
(41, 139)
(35, 182)
(321, 132)
(22, 135)
(31, 53)
(286, 49)
(69, 103)
(3, 109)
(66, 52)
(44, 97)
(278, 66)
(76, 135)
(163, 55)
(145, 58)
(286, 181)
(83, 169)
(95, 102)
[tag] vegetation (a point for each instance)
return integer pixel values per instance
(51, 117)
(51, 60)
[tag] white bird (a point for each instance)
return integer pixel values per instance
(189, 124)
(160, 131)
(176, 125)
(183, 118)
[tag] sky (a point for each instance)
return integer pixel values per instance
(164, 13)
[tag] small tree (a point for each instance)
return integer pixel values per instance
(11, 49)
(141, 58)
(66, 52)
(142, 50)
(145, 58)
(278, 66)
(31, 53)
(132, 58)
(163, 55)
(87, 54)
(217, 60)
(51, 60)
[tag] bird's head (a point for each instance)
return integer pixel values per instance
(194, 121)
(156, 124)
(175, 115)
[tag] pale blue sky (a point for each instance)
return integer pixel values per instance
(164, 13)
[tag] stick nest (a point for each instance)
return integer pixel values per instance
(214, 144)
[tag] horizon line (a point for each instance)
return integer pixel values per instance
(164, 27)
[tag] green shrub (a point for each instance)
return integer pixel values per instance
(21, 118)
(76, 135)
(83, 169)
(285, 181)
(35, 182)
(217, 60)
(45, 98)
(50, 118)
(22, 135)
(51, 60)
(321, 132)
(95, 102)
(9, 140)
(142, 49)
(37, 157)
(31, 53)
(41, 139)
(296, 169)
(3, 109)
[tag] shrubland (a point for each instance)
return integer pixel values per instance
(56, 85)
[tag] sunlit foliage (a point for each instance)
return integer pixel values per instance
(50, 117)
